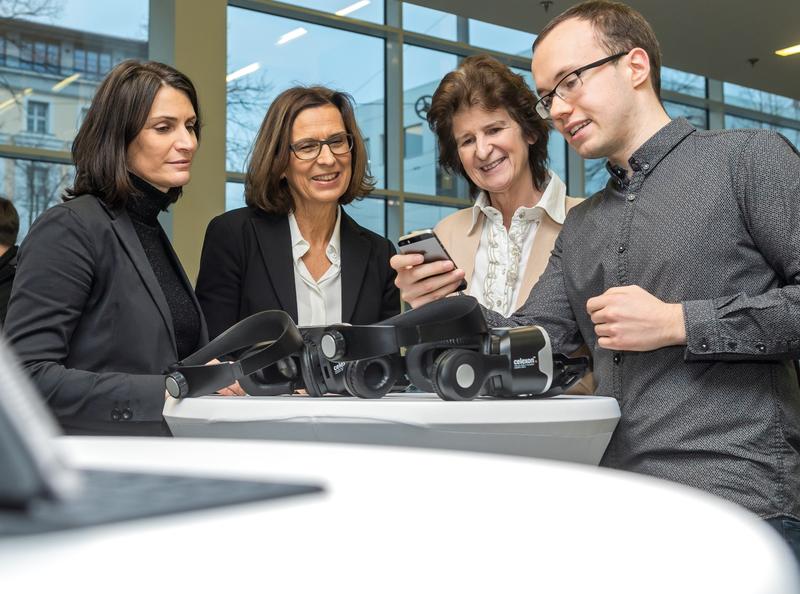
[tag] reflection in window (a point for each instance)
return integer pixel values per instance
(422, 71)
(55, 53)
(683, 82)
(33, 187)
(793, 134)
(418, 215)
(412, 141)
(365, 10)
(38, 112)
(369, 213)
(430, 22)
(761, 101)
(697, 117)
(501, 39)
(268, 54)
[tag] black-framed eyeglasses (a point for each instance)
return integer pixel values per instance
(340, 144)
(569, 86)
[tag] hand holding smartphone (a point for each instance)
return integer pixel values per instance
(425, 242)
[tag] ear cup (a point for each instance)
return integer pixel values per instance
(419, 361)
(311, 370)
(458, 374)
(372, 378)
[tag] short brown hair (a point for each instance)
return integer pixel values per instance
(9, 222)
(265, 186)
(485, 81)
(619, 28)
(117, 114)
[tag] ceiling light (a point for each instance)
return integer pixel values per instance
(249, 69)
(789, 51)
(67, 81)
(352, 8)
(293, 34)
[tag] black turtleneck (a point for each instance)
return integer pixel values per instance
(143, 211)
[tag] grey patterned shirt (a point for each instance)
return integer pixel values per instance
(710, 220)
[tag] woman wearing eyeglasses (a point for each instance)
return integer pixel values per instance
(293, 247)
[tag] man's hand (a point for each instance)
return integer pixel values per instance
(421, 283)
(631, 319)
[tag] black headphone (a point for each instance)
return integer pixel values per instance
(451, 351)
(268, 336)
(371, 377)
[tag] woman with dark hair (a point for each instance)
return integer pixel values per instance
(293, 247)
(101, 305)
(488, 131)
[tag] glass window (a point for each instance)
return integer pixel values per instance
(761, 101)
(423, 69)
(369, 213)
(51, 43)
(697, 116)
(234, 195)
(268, 54)
(430, 22)
(33, 186)
(37, 117)
(683, 82)
(365, 10)
(501, 39)
(418, 215)
(793, 134)
(412, 141)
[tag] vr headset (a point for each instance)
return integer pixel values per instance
(451, 351)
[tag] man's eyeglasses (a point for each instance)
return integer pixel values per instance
(340, 144)
(569, 86)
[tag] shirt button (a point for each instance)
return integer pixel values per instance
(762, 348)
(621, 249)
(703, 346)
(631, 197)
(116, 415)
(617, 358)
(127, 414)
(646, 166)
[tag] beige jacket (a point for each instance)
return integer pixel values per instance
(461, 239)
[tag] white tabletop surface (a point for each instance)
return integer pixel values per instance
(572, 428)
(401, 520)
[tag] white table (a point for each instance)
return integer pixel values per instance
(403, 520)
(573, 428)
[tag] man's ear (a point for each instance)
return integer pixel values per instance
(639, 65)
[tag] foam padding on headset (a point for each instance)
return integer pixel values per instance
(357, 382)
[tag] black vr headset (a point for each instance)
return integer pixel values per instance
(266, 338)
(451, 351)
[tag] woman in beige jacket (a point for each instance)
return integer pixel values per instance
(488, 131)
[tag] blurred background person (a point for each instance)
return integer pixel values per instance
(293, 247)
(101, 305)
(9, 228)
(488, 131)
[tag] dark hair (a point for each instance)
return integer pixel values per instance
(619, 28)
(485, 81)
(9, 222)
(117, 114)
(265, 185)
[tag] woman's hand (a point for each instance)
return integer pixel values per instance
(421, 283)
(233, 390)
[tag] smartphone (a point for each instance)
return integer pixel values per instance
(425, 242)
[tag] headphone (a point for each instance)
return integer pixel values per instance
(451, 351)
(268, 336)
(308, 368)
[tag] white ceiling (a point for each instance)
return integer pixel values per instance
(715, 38)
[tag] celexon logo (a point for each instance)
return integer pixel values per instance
(337, 367)
(522, 363)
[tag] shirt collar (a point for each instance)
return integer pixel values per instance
(650, 154)
(300, 246)
(552, 202)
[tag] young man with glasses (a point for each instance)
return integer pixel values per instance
(683, 272)
(681, 275)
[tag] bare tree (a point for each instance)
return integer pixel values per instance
(247, 101)
(26, 9)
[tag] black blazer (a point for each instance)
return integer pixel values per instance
(90, 322)
(246, 267)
